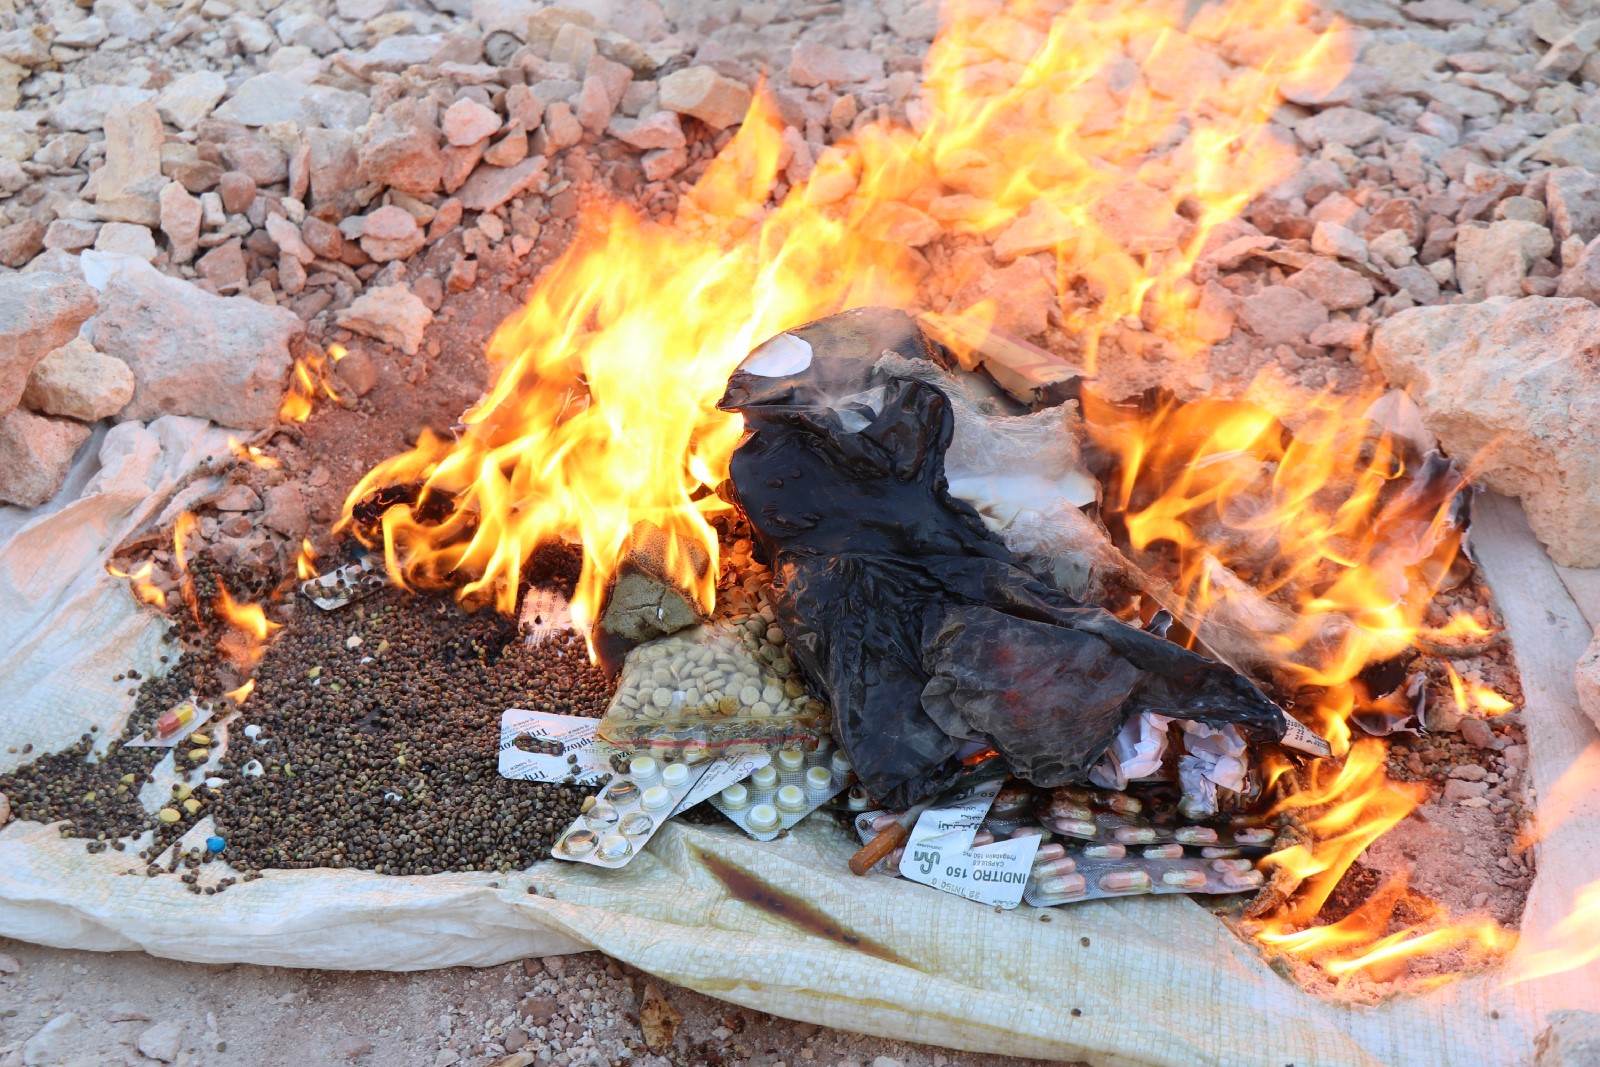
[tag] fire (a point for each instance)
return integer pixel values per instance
(139, 581)
(252, 454)
(305, 563)
(1471, 697)
(241, 694)
(1109, 139)
(312, 378)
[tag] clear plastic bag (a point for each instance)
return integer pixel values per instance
(712, 688)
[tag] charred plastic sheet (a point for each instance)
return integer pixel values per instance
(919, 626)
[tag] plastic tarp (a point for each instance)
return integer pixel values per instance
(781, 926)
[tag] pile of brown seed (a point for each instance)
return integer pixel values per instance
(379, 735)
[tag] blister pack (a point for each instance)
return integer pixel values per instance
(1092, 872)
(346, 584)
(627, 812)
(177, 723)
(711, 687)
(792, 786)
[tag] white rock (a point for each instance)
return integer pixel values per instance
(1339, 126)
(1589, 683)
(1574, 145)
(226, 359)
(268, 98)
(287, 237)
(390, 313)
(1512, 386)
(489, 187)
(1572, 1039)
(391, 233)
(181, 215)
(77, 382)
(1492, 260)
(1333, 286)
(85, 33)
(85, 110)
(661, 130)
(126, 239)
(163, 1041)
(191, 98)
(1573, 197)
(58, 1038)
(1332, 239)
(125, 189)
(700, 91)
(466, 122)
(39, 313)
(813, 63)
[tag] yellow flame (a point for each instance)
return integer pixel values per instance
(252, 454)
(241, 694)
(305, 563)
(139, 581)
(311, 379)
(1109, 139)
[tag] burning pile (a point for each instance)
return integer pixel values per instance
(947, 540)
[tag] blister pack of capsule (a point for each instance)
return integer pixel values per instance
(627, 812)
(792, 786)
(1066, 875)
(175, 724)
(345, 585)
(711, 688)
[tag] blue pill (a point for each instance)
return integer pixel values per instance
(215, 844)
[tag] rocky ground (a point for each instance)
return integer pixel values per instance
(229, 187)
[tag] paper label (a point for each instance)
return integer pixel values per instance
(535, 746)
(939, 852)
(721, 774)
(1297, 736)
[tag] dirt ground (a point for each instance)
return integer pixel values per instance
(581, 1009)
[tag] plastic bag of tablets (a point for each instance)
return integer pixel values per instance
(707, 689)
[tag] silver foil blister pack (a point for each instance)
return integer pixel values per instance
(780, 794)
(627, 812)
(1063, 875)
(345, 584)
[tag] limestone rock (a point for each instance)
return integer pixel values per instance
(84, 110)
(192, 353)
(390, 313)
(1582, 279)
(39, 313)
(35, 456)
(1333, 286)
(191, 98)
(1339, 126)
(1589, 687)
(401, 149)
(333, 169)
(125, 189)
(1281, 315)
(1512, 386)
(21, 241)
(1492, 260)
(661, 130)
(126, 239)
(489, 187)
(700, 91)
(813, 64)
(467, 122)
(1573, 197)
(180, 221)
(268, 98)
(603, 86)
(561, 129)
(163, 1041)
(1574, 145)
(390, 233)
(77, 382)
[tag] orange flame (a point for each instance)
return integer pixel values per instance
(139, 581)
(1474, 696)
(252, 454)
(241, 694)
(305, 563)
(248, 629)
(312, 378)
(1110, 139)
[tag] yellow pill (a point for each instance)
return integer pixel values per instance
(191, 805)
(168, 815)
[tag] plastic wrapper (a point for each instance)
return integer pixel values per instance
(710, 689)
(909, 616)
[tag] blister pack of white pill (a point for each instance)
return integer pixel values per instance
(627, 812)
(1093, 872)
(792, 786)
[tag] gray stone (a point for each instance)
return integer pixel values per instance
(191, 98)
(85, 33)
(85, 110)
(560, 130)
(268, 98)
(661, 130)
(284, 510)
(163, 1041)
(39, 313)
(1574, 145)
(603, 86)
(77, 382)
(1571, 1039)
(1573, 196)
(125, 189)
(390, 313)
(700, 91)
(1512, 385)
(56, 1039)
(263, 161)
(1567, 55)
(192, 353)
(1341, 126)
(1589, 699)
(180, 221)
(466, 122)
(21, 241)
(126, 239)
(1492, 260)
(334, 169)
(35, 455)
(390, 233)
